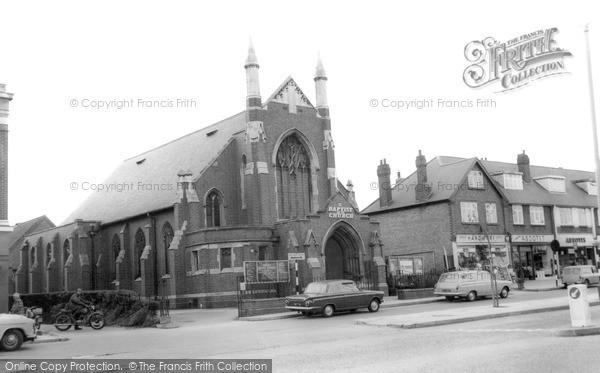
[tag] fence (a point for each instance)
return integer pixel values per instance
(402, 280)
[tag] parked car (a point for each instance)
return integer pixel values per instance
(15, 329)
(582, 274)
(469, 285)
(327, 297)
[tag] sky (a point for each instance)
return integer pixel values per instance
(56, 56)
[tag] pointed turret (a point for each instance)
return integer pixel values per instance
(253, 98)
(321, 88)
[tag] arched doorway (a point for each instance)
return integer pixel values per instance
(342, 253)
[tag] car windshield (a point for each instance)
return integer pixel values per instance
(316, 288)
(449, 277)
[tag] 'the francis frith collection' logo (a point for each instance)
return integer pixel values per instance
(516, 62)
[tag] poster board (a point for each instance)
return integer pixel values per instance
(265, 271)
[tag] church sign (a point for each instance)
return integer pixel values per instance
(266, 271)
(340, 212)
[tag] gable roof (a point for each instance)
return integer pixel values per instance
(148, 181)
(440, 171)
(296, 94)
(534, 194)
(20, 230)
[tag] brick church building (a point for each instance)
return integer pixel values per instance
(183, 218)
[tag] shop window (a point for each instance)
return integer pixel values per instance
(517, 212)
(225, 258)
(536, 215)
(476, 180)
(513, 181)
(491, 215)
(468, 211)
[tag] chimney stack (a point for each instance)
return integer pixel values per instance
(423, 190)
(523, 163)
(399, 179)
(5, 98)
(385, 187)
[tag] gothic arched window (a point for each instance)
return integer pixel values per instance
(294, 187)
(49, 253)
(66, 250)
(115, 250)
(33, 256)
(167, 237)
(140, 243)
(214, 209)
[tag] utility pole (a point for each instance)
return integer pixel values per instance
(593, 116)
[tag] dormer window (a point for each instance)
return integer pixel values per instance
(556, 185)
(553, 184)
(589, 186)
(476, 180)
(513, 181)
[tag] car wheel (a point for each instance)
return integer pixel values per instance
(374, 305)
(471, 296)
(450, 298)
(504, 292)
(11, 340)
(327, 311)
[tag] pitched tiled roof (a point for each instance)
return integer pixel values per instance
(148, 182)
(443, 173)
(21, 230)
(534, 193)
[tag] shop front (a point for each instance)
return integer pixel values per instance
(471, 251)
(532, 253)
(576, 249)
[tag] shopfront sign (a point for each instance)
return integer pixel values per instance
(574, 240)
(479, 238)
(535, 238)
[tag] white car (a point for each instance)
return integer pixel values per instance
(470, 285)
(15, 329)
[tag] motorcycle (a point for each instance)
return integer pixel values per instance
(35, 313)
(64, 319)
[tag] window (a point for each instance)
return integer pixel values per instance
(536, 215)
(583, 218)
(517, 211)
(293, 178)
(225, 258)
(139, 245)
(214, 209)
(66, 251)
(262, 253)
(491, 215)
(116, 249)
(468, 211)
(49, 254)
(476, 180)
(33, 258)
(243, 181)
(566, 216)
(349, 287)
(167, 237)
(195, 260)
(513, 181)
(556, 185)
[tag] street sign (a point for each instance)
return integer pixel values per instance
(296, 256)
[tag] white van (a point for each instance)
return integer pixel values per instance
(469, 285)
(584, 274)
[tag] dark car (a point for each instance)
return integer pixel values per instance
(327, 297)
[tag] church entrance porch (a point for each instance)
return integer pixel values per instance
(342, 250)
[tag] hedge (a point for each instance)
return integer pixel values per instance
(120, 307)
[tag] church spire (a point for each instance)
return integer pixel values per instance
(253, 98)
(321, 86)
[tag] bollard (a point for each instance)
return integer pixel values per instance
(579, 306)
